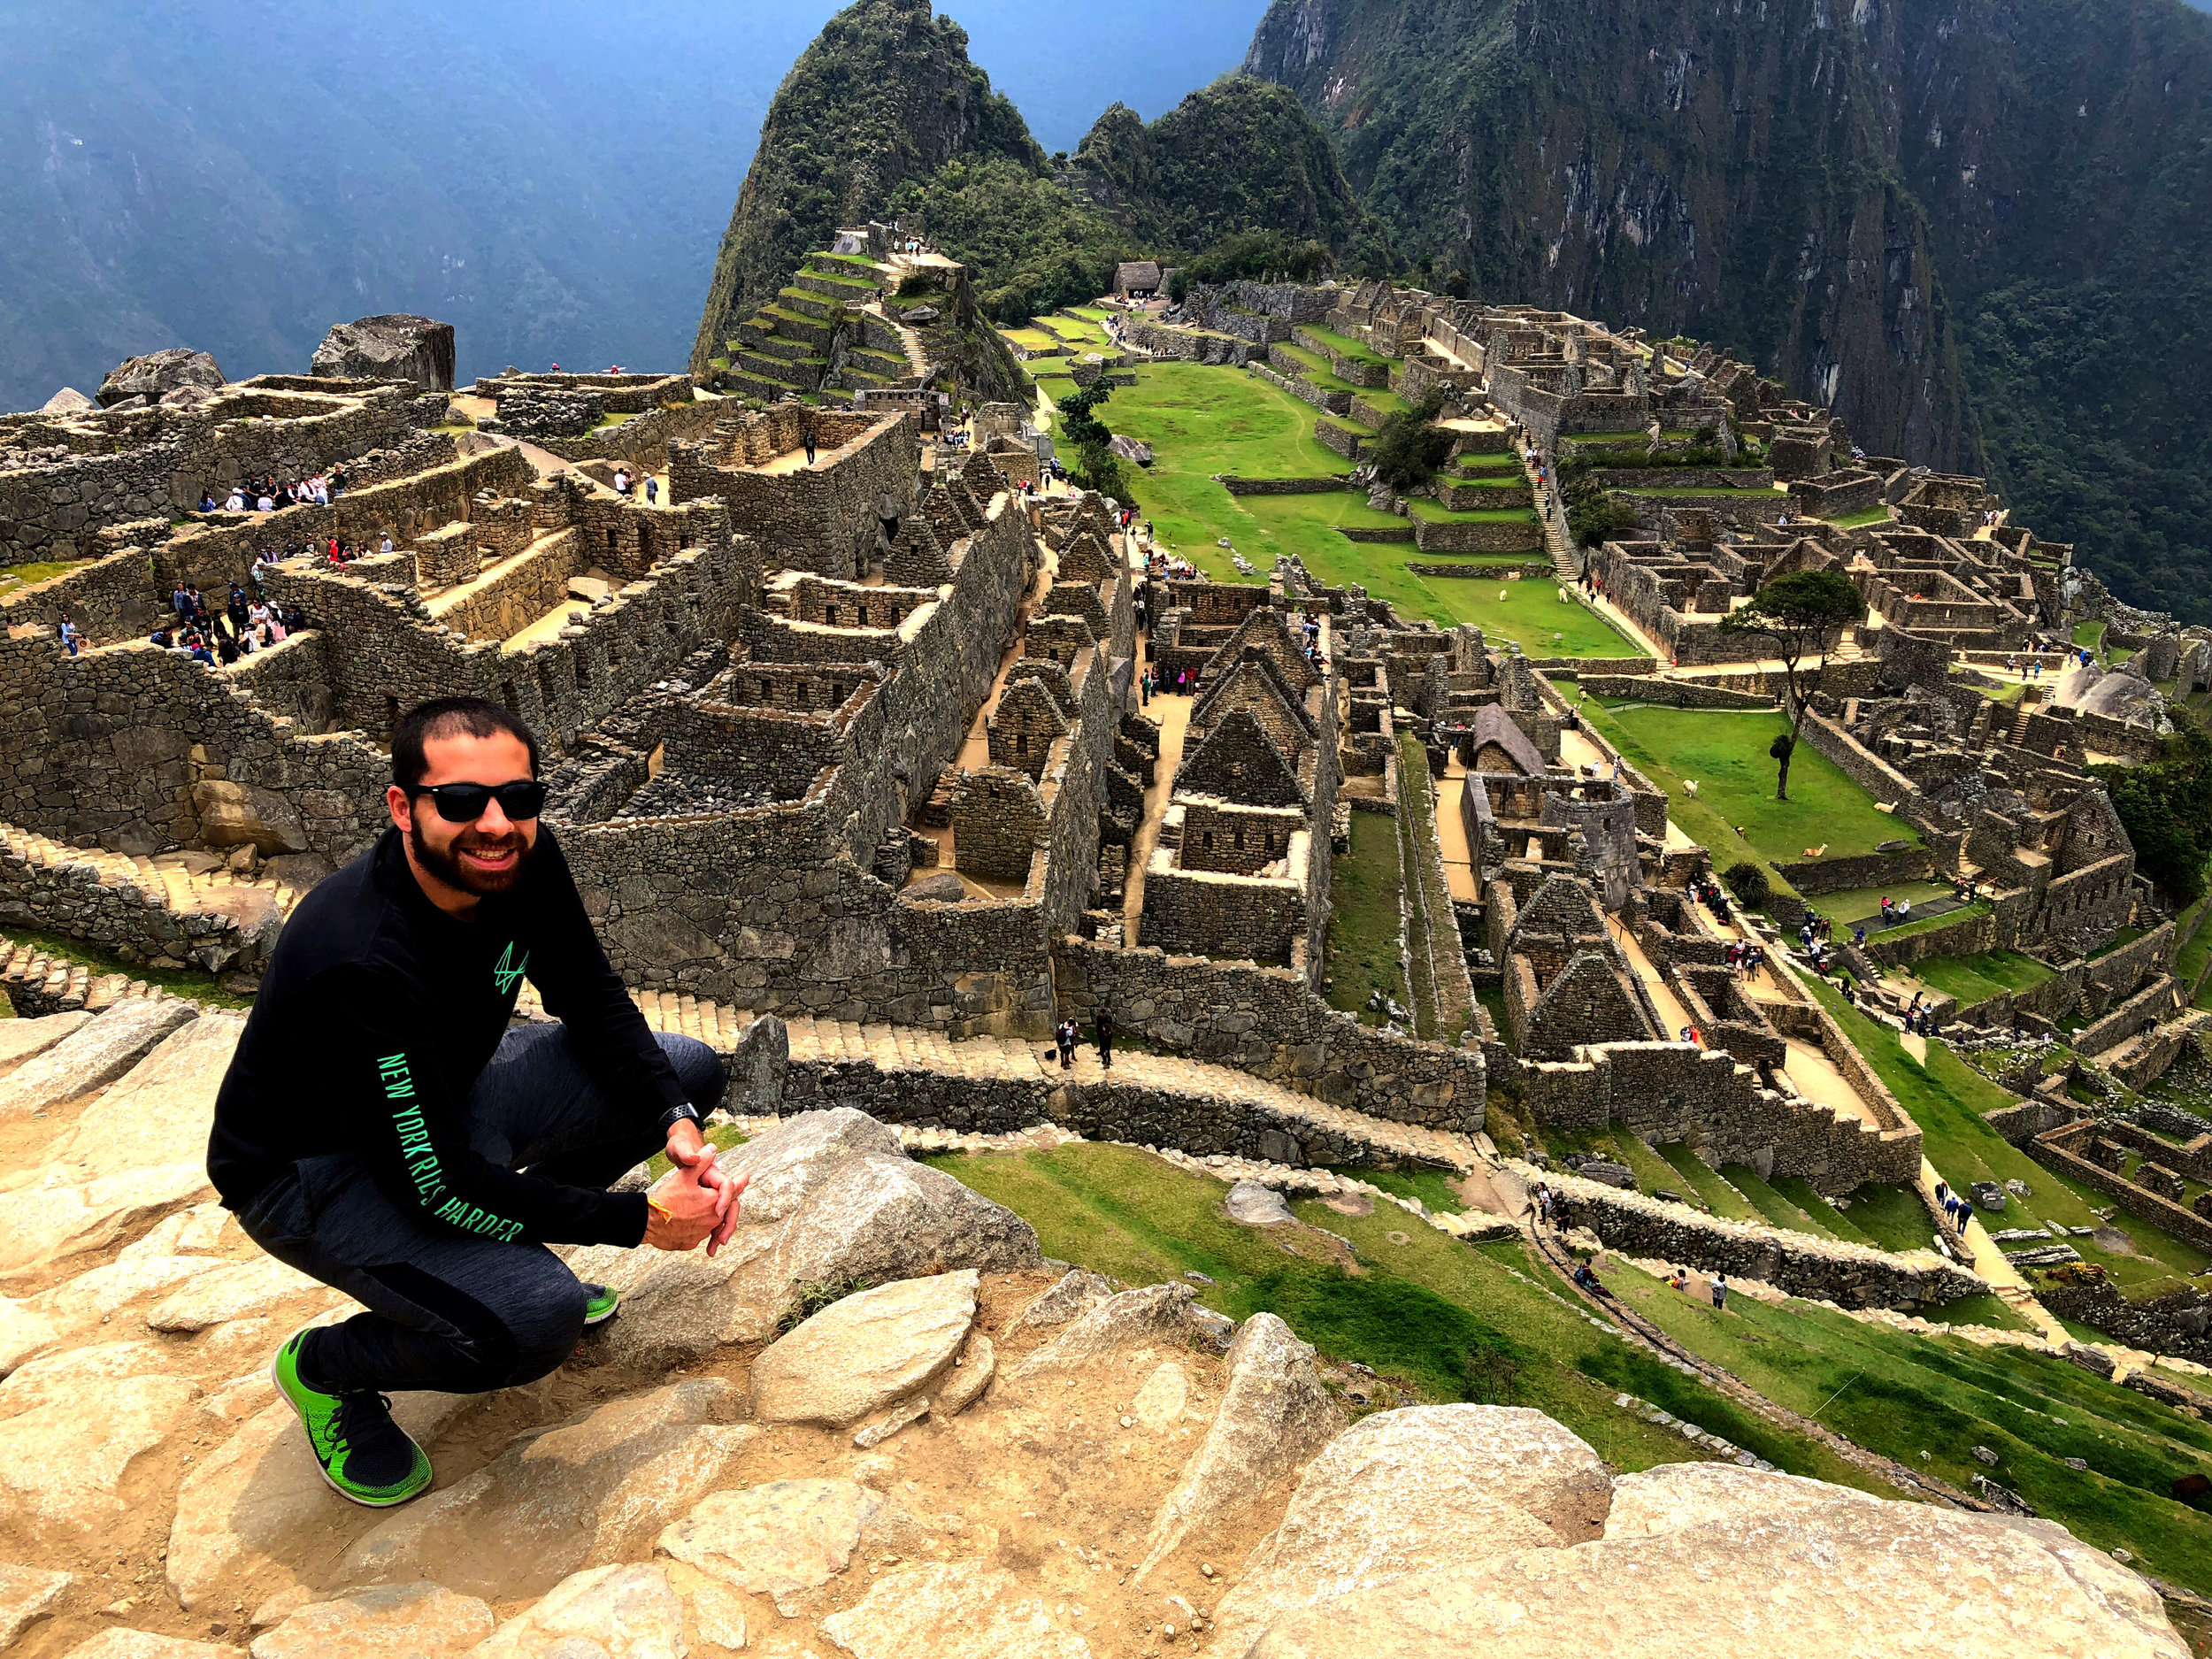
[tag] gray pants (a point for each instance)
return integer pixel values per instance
(448, 1310)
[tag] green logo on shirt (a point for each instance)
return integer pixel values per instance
(509, 972)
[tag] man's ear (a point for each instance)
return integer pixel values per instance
(402, 807)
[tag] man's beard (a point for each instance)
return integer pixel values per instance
(447, 867)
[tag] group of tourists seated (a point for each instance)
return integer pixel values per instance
(266, 493)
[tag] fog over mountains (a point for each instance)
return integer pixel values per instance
(552, 177)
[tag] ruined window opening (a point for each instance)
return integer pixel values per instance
(391, 716)
(832, 615)
(1206, 840)
(863, 615)
(1021, 742)
(507, 696)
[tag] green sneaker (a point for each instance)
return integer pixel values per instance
(364, 1454)
(600, 1303)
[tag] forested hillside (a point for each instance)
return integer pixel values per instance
(1969, 226)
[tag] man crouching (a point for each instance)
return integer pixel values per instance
(382, 1130)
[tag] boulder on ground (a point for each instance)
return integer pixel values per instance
(61, 1464)
(590, 1493)
(758, 1067)
(68, 401)
(158, 372)
(26, 1594)
(1274, 1414)
(784, 1538)
(145, 1644)
(174, 1085)
(42, 1224)
(1256, 1205)
(866, 1351)
(404, 1621)
(1157, 1315)
(1401, 1492)
(22, 1039)
(1074, 1295)
(395, 347)
(92, 1057)
(833, 1200)
(958, 1610)
(260, 1491)
(621, 1612)
(1810, 1573)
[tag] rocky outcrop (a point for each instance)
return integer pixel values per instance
(158, 374)
(832, 1202)
(68, 401)
(396, 347)
(866, 1352)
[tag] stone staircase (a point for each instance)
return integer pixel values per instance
(36, 984)
(999, 1063)
(167, 877)
(826, 333)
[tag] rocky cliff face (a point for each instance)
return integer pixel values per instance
(885, 95)
(1968, 226)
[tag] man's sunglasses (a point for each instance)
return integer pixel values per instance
(464, 803)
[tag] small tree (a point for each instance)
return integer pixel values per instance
(1802, 613)
(2166, 808)
(1411, 446)
(1097, 466)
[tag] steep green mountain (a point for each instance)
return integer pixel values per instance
(885, 93)
(1238, 157)
(1969, 226)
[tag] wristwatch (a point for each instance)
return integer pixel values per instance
(675, 1115)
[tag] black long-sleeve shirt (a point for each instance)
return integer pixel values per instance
(376, 1017)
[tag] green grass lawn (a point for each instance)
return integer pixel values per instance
(1946, 1098)
(1713, 1189)
(1725, 751)
(2089, 636)
(1499, 462)
(1856, 903)
(1903, 1394)
(1783, 1212)
(1032, 339)
(1529, 614)
(1363, 943)
(1443, 1319)
(1976, 979)
(1343, 345)
(1853, 520)
(1315, 369)
(1624, 437)
(1436, 512)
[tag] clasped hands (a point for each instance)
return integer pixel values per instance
(696, 1199)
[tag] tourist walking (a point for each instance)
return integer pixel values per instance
(69, 635)
(377, 1115)
(1064, 1035)
(1720, 1293)
(1102, 1028)
(809, 449)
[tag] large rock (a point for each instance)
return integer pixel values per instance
(832, 1200)
(758, 1066)
(397, 347)
(174, 1085)
(1813, 1578)
(235, 1290)
(260, 1492)
(620, 1612)
(1072, 1295)
(22, 1039)
(26, 1594)
(587, 1495)
(1673, 1497)
(863, 1353)
(782, 1539)
(1256, 1205)
(46, 1224)
(144, 1644)
(68, 401)
(951, 1611)
(400, 1621)
(92, 1057)
(1274, 1414)
(61, 1460)
(1155, 1316)
(1403, 1492)
(158, 372)
(77, 1303)
(245, 814)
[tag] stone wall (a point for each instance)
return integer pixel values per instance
(1188, 345)
(124, 749)
(823, 517)
(1823, 1270)
(1813, 878)
(1477, 536)
(2056, 1148)
(131, 921)
(1267, 1021)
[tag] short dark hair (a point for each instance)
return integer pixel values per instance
(451, 717)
